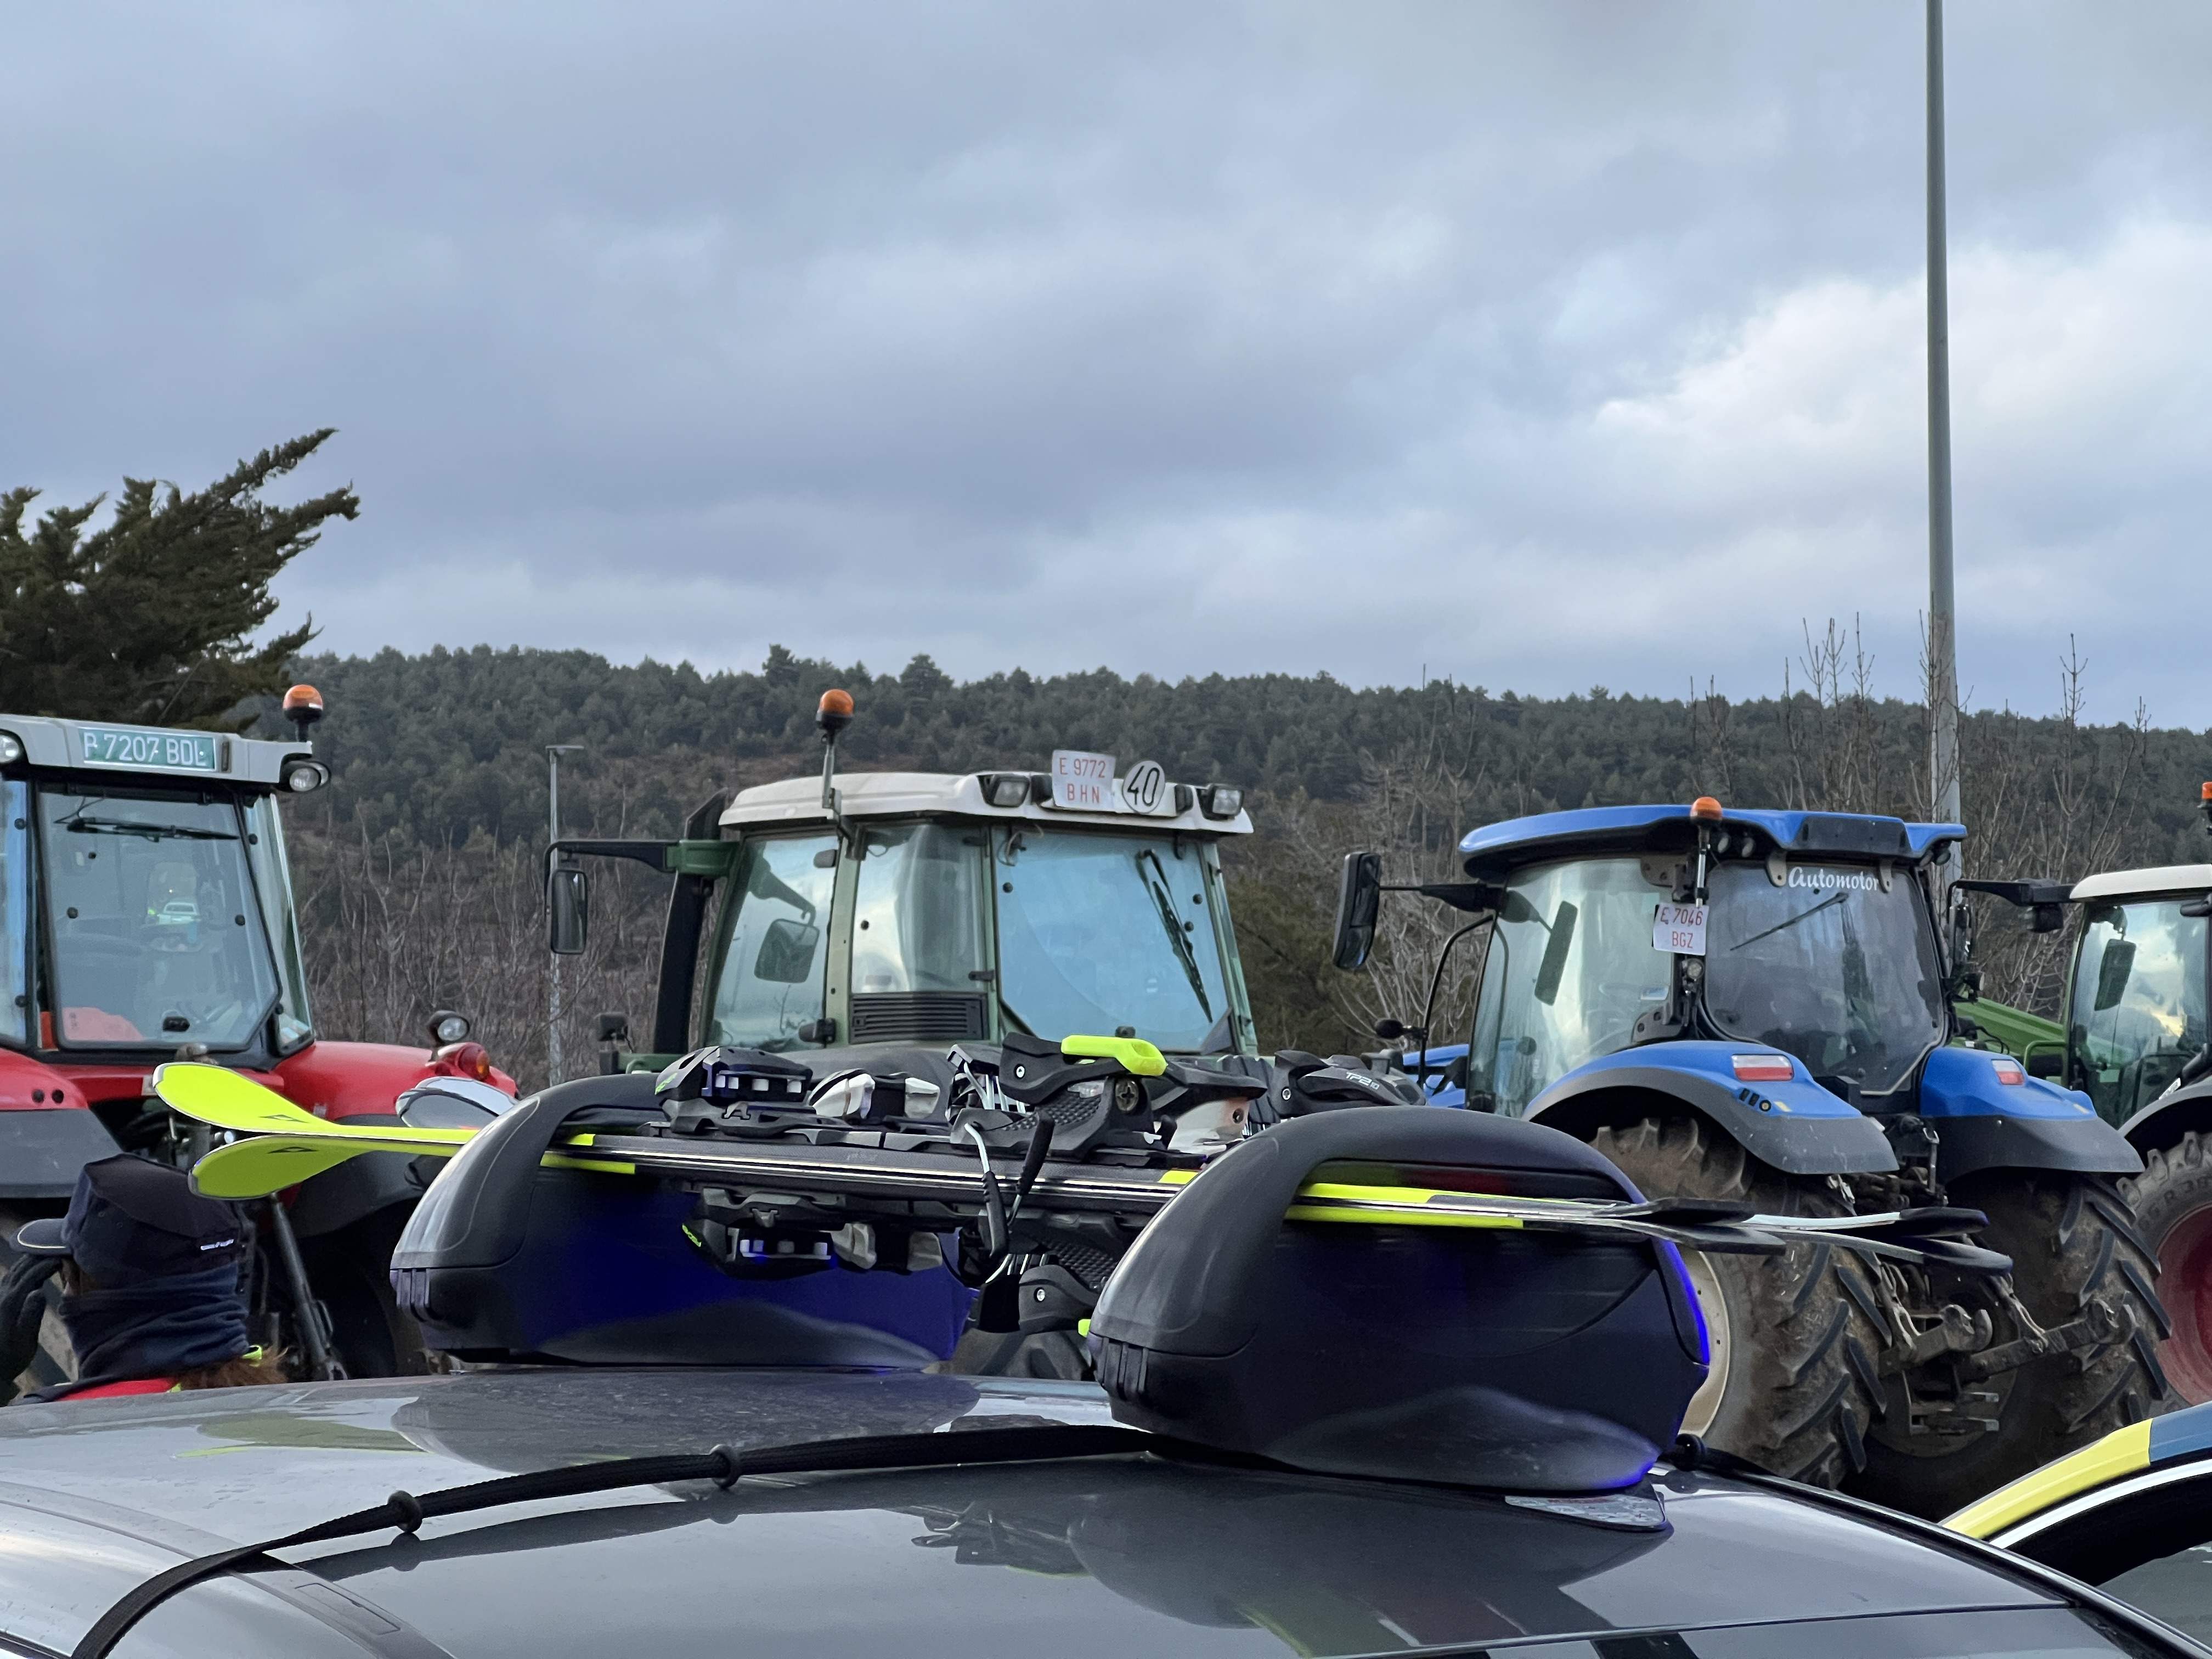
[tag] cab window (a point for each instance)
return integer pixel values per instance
(2137, 1003)
(777, 943)
(919, 916)
(15, 912)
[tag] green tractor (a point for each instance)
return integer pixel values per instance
(896, 922)
(2135, 1038)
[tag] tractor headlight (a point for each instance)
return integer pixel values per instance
(1005, 788)
(1218, 800)
(11, 748)
(304, 776)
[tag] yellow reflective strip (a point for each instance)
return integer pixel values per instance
(2121, 1452)
(1408, 1215)
(1131, 1054)
(1176, 1177)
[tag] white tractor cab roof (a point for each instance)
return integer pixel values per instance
(2192, 880)
(1204, 810)
(108, 748)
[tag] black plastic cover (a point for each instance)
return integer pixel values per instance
(1475, 1356)
(43, 1150)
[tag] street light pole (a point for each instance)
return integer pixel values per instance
(553, 753)
(1942, 625)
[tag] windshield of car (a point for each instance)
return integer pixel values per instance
(158, 934)
(1570, 967)
(1104, 932)
(272, 881)
(15, 912)
(775, 923)
(1834, 964)
(2136, 1011)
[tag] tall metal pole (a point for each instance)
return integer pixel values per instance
(553, 753)
(1942, 624)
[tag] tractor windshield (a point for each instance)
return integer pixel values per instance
(2137, 1012)
(157, 932)
(1570, 967)
(1102, 933)
(1836, 965)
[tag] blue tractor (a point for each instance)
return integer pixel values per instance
(1756, 1005)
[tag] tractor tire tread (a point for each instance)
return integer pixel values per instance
(1804, 1394)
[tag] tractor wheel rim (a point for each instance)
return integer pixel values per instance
(2185, 1265)
(1706, 1404)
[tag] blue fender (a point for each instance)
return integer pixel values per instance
(1989, 1113)
(1795, 1126)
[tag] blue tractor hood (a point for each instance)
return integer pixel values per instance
(1498, 847)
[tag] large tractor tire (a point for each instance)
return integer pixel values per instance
(2172, 1203)
(2071, 1239)
(1793, 1382)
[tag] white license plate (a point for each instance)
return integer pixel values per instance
(1082, 781)
(1680, 929)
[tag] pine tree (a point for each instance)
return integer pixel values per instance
(150, 617)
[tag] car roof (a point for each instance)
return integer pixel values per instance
(2179, 1437)
(1599, 829)
(1100, 1556)
(2194, 879)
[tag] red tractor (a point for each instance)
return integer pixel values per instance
(147, 914)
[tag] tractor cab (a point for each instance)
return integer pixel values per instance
(145, 903)
(2135, 999)
(1612, 927)
(922, 910)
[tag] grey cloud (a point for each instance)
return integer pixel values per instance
(1292, 335)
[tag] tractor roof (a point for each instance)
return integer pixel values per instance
(109, 749)
(1591, 830)
(951, 795)
(2193, 879)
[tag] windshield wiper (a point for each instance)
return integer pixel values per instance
(84, 826)
(725, 1465)
(1170, 920)
(1792, 922)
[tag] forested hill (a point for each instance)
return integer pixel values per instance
(418, 868)
(450, 743)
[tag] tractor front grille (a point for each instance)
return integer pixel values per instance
(918, 1017)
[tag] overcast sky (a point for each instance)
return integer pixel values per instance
(1541, 344)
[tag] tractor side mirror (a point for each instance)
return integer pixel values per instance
(1358, 899)
(2120, 961)
(2046, 1062)
(567, 911)
(2048, 919)
(787, 953)
(1553, 967)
